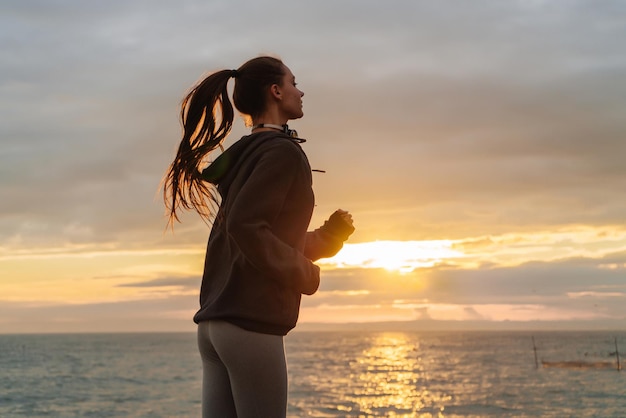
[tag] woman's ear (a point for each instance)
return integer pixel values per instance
(275, 92)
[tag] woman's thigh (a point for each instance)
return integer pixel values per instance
(256, 367)
(217, 397)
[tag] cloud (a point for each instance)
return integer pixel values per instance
(481, 122)
(191, 283)
(160, 314)
(422, 314)
(470, 312)
(597, 295)
(574, 288)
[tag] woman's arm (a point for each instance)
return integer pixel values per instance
(258, 205)
(327, 240)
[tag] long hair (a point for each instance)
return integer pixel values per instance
(207, 118)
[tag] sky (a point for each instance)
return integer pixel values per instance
(479, 146)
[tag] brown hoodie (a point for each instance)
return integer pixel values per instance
(259, 258)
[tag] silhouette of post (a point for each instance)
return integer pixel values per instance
(619, 365)
(535, 351)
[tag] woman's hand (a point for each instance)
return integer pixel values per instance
(340, 224)
(345, 216)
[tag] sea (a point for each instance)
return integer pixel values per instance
(331, 374)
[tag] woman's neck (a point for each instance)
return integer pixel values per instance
(260, 127)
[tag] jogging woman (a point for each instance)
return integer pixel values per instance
(259, 260)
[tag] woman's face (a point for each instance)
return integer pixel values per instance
(291, 103)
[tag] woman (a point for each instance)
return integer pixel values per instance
(259, 258)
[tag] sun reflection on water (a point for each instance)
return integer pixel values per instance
(393, 378)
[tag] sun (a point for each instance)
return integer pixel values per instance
(398, 256)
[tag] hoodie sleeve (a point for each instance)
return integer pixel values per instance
(327, 240)
(259, 205)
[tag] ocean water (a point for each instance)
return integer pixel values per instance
(332, 374)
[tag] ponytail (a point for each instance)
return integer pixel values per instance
(206, 105)
(183, 185)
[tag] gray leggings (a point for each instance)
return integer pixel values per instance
(244, 373)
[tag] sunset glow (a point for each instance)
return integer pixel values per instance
(399, 256)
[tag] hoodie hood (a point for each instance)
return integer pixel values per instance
(223, 170)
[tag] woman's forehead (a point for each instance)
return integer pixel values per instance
(288, 72)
